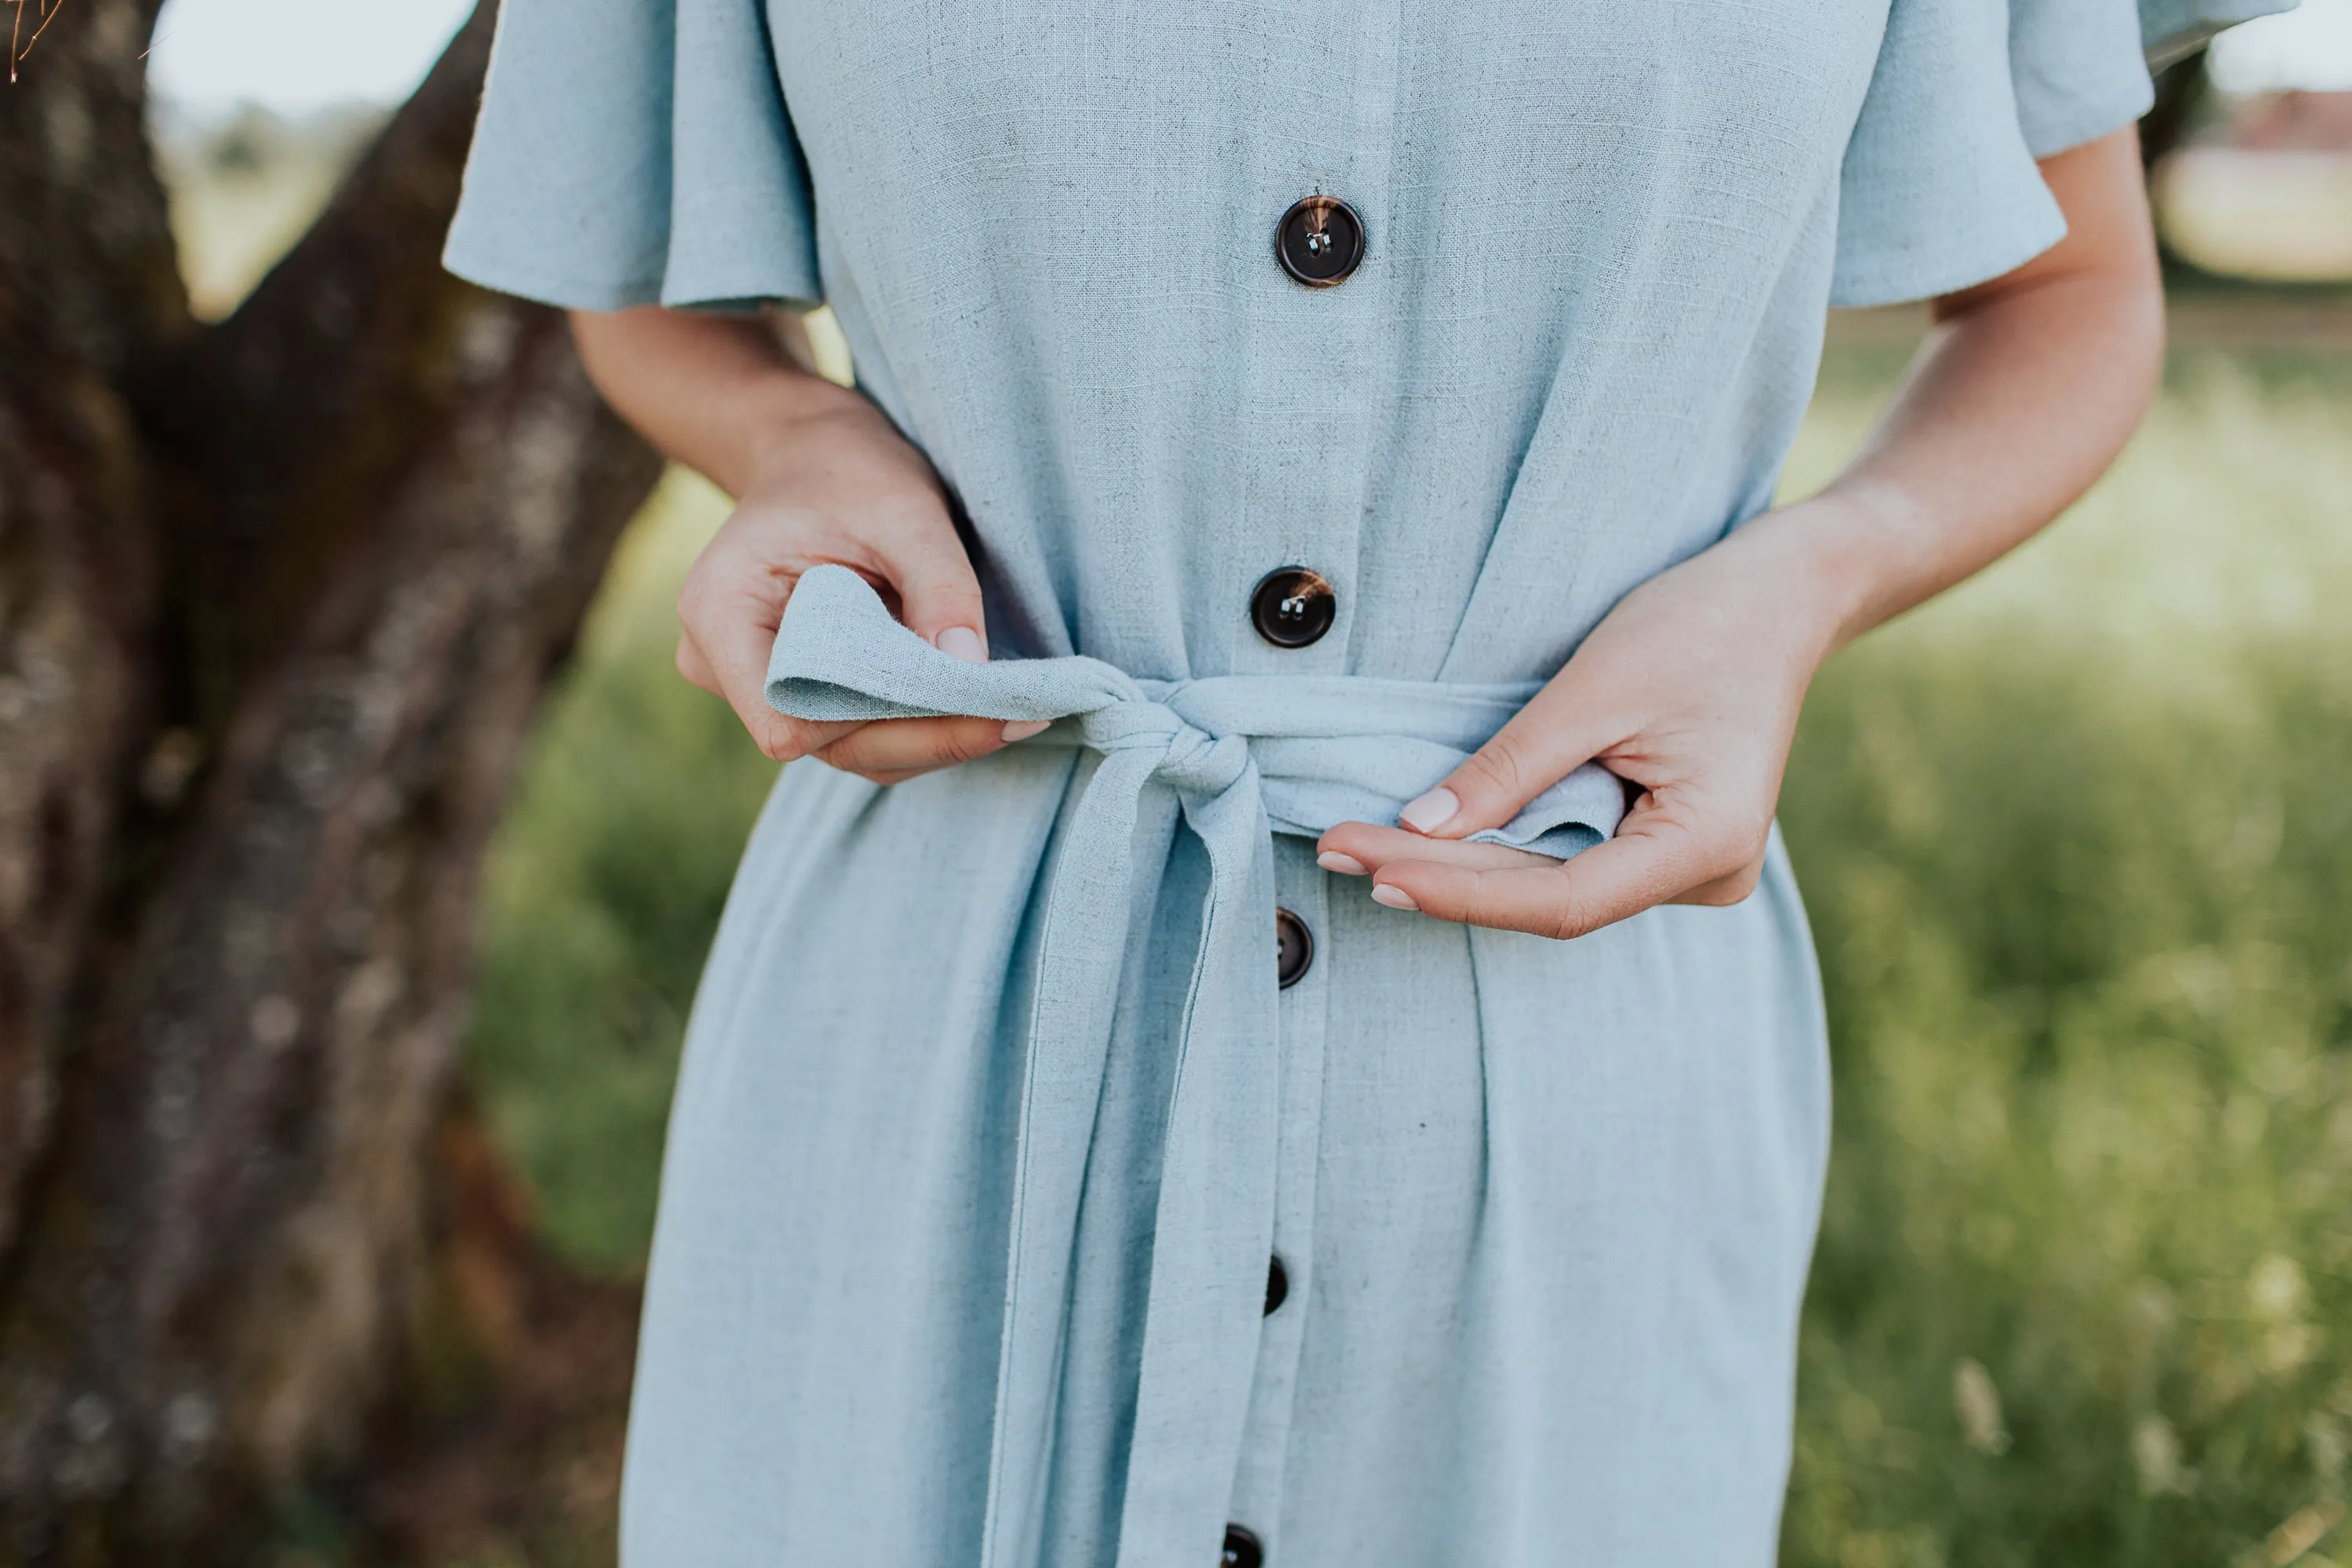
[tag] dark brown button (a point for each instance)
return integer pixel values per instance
(1293, 607)
(1241, 1550)
(1294, 949)
(1278, 1284)
(1319, 241)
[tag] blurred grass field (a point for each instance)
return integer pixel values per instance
(2077, 841)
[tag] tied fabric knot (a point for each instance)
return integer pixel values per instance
(1243, 757)
(1187, 759)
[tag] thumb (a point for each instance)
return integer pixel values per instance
(938, 596)
(1544, 742)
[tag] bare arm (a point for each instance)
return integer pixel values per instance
(2025, 391)
(712, 391)
(819, 476)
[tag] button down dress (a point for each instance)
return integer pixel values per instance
(1003, 1108)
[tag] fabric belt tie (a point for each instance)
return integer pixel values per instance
(1244, 756)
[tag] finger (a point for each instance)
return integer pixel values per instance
(1725, 891)
(938, 596)
(694, 667)
(1557, 732)
(730, 608)
(1609, 882)
(905, 747)
(1361, 848)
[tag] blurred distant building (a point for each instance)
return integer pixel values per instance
(2291, 122)
(2266, 190)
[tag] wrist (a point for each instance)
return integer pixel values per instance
(779, 423)
(1820, 558)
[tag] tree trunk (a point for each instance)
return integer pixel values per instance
(277, 597)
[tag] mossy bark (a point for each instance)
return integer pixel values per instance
(277, 598)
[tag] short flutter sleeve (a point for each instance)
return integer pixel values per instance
(1938, 190)
(2079, 69)
(633, 153)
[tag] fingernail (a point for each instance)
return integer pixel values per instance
(1021, 728)
(1394, 898)
(963, 643)
(1346, 865)
(1430, 813)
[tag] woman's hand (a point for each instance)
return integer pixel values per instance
(2026, 389)
(838, 485)
(820, 477)
(1689, 689)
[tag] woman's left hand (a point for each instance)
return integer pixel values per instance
(2025, 389)
(1688, 689)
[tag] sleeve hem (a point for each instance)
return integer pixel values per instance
(2062, 133)
(573, 291)
(500, 272)
(1865, 281)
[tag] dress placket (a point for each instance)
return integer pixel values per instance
(1332, 340)
(1303, 890)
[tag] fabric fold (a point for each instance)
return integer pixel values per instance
(1245, 756)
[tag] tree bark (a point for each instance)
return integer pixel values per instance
(277, 598)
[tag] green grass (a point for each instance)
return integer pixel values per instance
(2077, 841)
(2086, 944)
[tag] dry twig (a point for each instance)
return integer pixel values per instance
(46, 13)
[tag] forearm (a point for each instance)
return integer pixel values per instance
(2024, 393)
(715, 393)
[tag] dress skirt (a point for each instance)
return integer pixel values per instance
(1543, 1213)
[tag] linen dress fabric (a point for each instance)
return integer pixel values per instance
(991, 1117)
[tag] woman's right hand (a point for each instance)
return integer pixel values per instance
(822, 477)
(837, 486)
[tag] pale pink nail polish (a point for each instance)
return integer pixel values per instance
(1394, 898)
(1431, 812)
(1346, 865)
(1021, 728)
(963, 643)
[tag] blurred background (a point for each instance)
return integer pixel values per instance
(2077, 842)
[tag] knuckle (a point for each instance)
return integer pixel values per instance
(1735, 855)
(1497, 767)
(1570, 917)
(694, 594)
(1733, 889)
(966, 742)
(1570, 920)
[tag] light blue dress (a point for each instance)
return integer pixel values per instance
(994, 1122)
